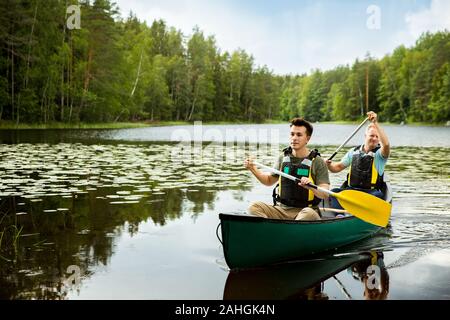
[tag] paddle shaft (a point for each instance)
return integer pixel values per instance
(348, 139)
(288, 176)
(334, 210)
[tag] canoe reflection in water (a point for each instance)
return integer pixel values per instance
(376, 281)
(304, 280)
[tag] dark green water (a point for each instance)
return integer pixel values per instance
(136, 219)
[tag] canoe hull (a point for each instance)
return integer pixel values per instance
(250, 241)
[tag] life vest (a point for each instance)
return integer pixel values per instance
(363, 173)
(289, 192)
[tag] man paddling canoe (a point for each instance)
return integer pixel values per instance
(290, 200)
(366, 162)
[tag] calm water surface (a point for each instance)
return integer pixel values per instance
(135, 215)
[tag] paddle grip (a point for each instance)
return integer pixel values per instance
(309, 184)
(312, 186)
(332, 156)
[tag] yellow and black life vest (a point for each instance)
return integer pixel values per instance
(289, 192)
(363, 173)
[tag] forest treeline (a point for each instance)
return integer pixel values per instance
(114, 69)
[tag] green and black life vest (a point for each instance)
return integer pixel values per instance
(363, 173)
(289, 192)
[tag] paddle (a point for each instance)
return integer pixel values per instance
(360, 204)
(348, 139)
(334, 210)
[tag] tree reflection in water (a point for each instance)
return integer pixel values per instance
(79, 231)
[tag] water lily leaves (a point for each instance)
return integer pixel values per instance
(129, 172)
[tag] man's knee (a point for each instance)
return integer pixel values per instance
(307, 214)
(256, 208)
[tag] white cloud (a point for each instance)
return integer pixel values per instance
(436, 18)
(440, 258)
(432, 19)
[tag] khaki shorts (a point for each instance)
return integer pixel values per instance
(265, 210)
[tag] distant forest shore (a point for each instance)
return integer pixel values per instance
(9, 125)
(115, 72)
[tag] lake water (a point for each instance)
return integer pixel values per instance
(134, 213)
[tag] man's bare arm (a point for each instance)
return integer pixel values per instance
(335, 166)
(265, 178)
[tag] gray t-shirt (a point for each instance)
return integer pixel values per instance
(319, 171)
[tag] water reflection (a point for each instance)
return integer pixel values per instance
(64, 204)
(415, 136)
(304, 280)
(36, 248)
(374, 276)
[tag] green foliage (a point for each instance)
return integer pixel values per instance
(116, 69)
(440, 95)
(411, 85)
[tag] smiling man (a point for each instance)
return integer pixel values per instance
(366, 162)
(292, 200)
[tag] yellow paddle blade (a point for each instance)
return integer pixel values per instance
(365, 206)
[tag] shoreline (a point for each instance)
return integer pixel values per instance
(8, 125)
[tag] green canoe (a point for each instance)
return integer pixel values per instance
(250, 241)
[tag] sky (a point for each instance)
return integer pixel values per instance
(298, 36)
